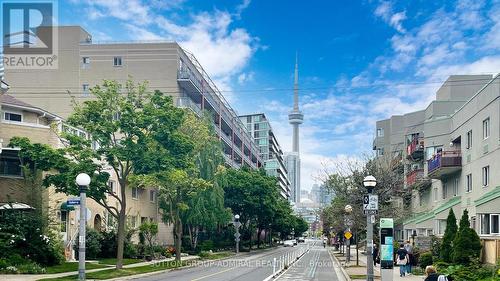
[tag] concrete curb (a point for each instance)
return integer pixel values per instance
(280, 273)
(342, 269)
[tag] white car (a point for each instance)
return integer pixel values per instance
(289, 243)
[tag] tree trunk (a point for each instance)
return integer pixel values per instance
(191, 239)
(196, 231)
(178, 239)
(258, 237)
(121, 238)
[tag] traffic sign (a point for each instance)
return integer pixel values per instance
(370, 202)
(73, 202)
(370, 212)
(237, 235)
(347, 235)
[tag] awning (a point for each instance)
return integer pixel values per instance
(487, 203)
(65, 207)
(419, 218)
(15, 206)
(446, 206)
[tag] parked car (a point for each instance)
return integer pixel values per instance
(301, 239)
(289, 243)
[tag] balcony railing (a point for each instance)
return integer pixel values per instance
(444, 163)
(415, 149)
(185, 102)
(414, 177)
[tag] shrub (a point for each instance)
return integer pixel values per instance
(446, 248)
(30, 268)
(203, 254)
(93, 243)
(471, 272)
(207, 245)
(467, 245)
(109, 245)
(425, 259)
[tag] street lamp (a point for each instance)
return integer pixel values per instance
(237, 235)
(348, 210)
(413, 235)
(369, 182)
(83, 181)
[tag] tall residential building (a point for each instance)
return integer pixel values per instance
(292, 159)
(83, 63)
(270, 151)
(451, 151)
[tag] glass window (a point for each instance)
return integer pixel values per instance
(486, 175)
(486, 128)
(16, 117)
(494, 224)
(485, 224)
(380, 132)
(133, 221)
(455, 187)
(86, 60)
(441, 226)
(64, 220)
(10, 164)
(85, 89)
(135, 193)
(152, 196)
(111, 186)
(469, 139)
(117, 61)
(435, 191)
(468, 183)
(445, 190)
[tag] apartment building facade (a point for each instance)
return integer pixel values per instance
(452, 151)
(270, 151)
(83, 63)
(20, 119)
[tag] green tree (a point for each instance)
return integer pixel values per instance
(301, 226)
(466, 245)
(129, 130)
(149, 230)
(450, 232)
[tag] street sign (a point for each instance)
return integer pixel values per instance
(237, 224)
(73, 202)
(370, 202)
(370, 212)
(237, 235)
(347, 235)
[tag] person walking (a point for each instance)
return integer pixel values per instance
(411, 258)
(432, 275)
(402, 260)
(375, 254)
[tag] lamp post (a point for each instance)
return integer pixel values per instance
(237, 235)
(348, 210)
(83, 181)
(369, 182)
(413, 235)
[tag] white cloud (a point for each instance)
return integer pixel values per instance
(386, 12)
(245, 77)
(142, 34)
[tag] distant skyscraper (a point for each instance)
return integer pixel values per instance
(292, 159)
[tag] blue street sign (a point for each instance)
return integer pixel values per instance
(73, 202)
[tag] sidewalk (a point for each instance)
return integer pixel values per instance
(34, 277)
(359, 272)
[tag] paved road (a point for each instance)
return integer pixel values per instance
(246, 267)
(315, 265)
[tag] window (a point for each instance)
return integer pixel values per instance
(441, 226)
(111, 186)
(135, 193)
(435, 191)
(486, 175)
(445, 190)
(380, 132)
(117, 61)
(468, 183)
(380, 151)
(485, 223)
(455, 187)
(469, 139)
(494, 227)
(85, 61)
(133, 221)
(10, 164)
(85, 89)
(117, 116)
(490, 223)
(486, 128)
(16, 117)
(433, 150)
(152, 196)
(64, 220)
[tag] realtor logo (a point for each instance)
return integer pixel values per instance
(29, 34)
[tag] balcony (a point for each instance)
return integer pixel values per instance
(184, 102)
(415, 177)
(415, 150)
(444, 164)
(189, 81)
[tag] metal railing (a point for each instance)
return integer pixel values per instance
(451, 158)
(417, 144)
(185, 102)
(414, 176)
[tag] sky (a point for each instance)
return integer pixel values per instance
(359, 61)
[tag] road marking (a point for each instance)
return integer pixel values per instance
(210, 275)
(340, 275)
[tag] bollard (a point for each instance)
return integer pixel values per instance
(274, 266)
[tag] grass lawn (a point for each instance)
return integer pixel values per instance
(71, 266)
(112, 261)
(114, 273)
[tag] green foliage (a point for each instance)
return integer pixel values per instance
(425, 259)
(207, 245)
(22, 235)
(471, 272)
(149, 230)
(466, 245)
(93, 239)
(450, 232)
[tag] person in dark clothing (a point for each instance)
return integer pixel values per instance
(375, 254)
(402, 260)
(432, 275)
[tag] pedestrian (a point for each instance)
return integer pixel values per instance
(409, 249)
(402, 260)
(375, 254)
(432, 275)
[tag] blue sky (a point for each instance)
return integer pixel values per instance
(359, 61)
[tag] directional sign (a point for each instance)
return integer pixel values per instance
(347, 235)
(370, 212)
(73, 202)
(237, 224)
(237, 235)
(370, 202)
